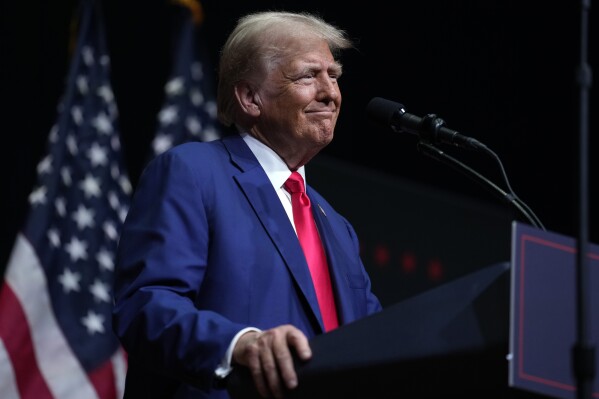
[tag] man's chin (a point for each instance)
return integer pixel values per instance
(325, 137)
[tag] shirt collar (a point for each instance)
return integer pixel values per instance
(274, 166)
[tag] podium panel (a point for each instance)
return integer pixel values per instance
(544, 311)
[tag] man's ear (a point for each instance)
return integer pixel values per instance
(247, 98)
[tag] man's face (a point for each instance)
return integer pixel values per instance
(299, 99)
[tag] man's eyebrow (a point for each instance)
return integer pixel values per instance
(311, 66)
(337, 67)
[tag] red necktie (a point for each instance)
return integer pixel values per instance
(313, 250)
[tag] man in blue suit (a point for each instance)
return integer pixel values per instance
(210, 272)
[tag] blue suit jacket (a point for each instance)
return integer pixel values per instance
(206, 250)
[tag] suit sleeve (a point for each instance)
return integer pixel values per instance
(161, 263)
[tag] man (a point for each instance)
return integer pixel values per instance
(210, 271)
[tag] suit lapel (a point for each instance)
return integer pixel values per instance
(259, 191)
(338, 263)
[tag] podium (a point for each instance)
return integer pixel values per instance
(448, 341)
(543, 311)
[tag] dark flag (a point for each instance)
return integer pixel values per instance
(189, 109)
(56, 339)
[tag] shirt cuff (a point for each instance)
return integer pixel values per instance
(224, 368)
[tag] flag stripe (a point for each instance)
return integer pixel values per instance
(119, 366)
(8, 383)
(103, 381)
(19, 348)
(57, 363)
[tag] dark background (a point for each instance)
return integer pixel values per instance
(501, 71)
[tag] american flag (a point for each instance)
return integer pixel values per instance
(56, 339)
(189, 109)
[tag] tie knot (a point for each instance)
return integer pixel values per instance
(295, 183)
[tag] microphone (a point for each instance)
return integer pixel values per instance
(430, 128)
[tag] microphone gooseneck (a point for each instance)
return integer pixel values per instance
(430, 131)
(509, 196)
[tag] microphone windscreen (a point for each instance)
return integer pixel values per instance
(381, 111)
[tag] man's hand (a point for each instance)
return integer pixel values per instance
(269, 358)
